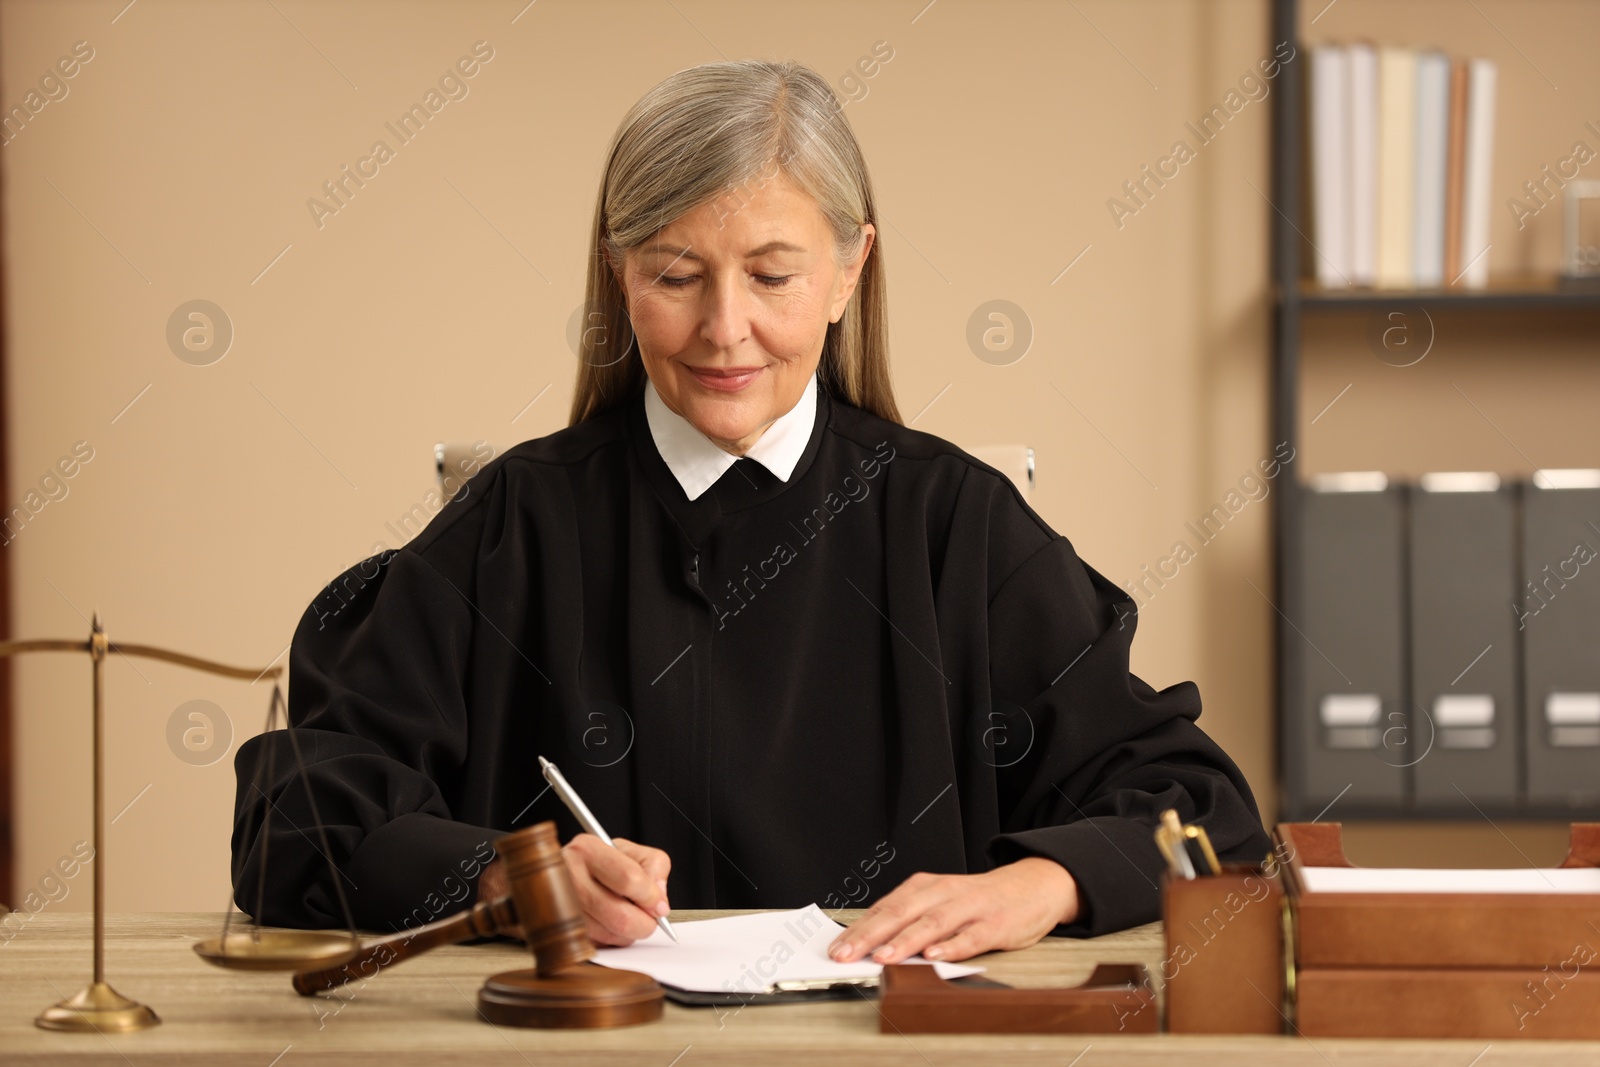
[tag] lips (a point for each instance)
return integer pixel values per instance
(725, 379)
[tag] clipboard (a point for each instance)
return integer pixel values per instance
(801, 992)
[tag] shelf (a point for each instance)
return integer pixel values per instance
(1530, 300)
(1544, 292)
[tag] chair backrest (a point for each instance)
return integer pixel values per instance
(458, 461)
(1014, 461)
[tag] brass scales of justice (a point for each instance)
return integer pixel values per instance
(99, 1007)
(563, 989)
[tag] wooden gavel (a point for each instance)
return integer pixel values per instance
(543, 908)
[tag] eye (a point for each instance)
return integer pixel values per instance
(679, 281)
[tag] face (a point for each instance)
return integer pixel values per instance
(731, 304)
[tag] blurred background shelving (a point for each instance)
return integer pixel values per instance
(1508, 385)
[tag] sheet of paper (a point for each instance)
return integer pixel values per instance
(748, 953)
(1422, 880)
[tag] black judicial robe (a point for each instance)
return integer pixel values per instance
(802, 691)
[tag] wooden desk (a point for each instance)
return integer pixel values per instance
(423, 1012)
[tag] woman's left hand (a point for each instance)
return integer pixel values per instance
(958, 916)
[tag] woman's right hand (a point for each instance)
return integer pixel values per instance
(622, 890)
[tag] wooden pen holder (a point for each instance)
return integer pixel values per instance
(1224, 967)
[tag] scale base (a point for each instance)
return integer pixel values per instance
(587, 996)
(98, 1009)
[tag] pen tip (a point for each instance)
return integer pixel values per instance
(544, 764)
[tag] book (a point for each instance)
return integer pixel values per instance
(1397, 150)
(1454, 171)
(1362, 116)
(1330, 163)
(1478, 172)
(1432, 150)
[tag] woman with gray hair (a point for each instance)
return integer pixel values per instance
(787, 648)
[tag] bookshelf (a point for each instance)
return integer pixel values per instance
(1525, 293)
(1295, 299)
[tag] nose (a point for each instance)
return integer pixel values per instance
(725, 313)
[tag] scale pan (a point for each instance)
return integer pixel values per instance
(278, 950)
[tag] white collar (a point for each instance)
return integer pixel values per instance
(697, 463)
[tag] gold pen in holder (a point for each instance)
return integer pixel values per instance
(1186, 848)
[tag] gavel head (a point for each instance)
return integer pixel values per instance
(546, 900)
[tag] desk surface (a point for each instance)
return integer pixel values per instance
(423, 1011)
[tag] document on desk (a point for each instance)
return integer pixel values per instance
(1439, 880)
(750, 954)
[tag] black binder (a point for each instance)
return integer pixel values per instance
(1464, 700)
(1355, 732)
(1557, 612)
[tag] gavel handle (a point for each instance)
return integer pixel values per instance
(487, 919)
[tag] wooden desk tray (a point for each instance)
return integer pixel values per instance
(1558, 1002)
(1465, 965)
(1432, 930)
(1117, 998)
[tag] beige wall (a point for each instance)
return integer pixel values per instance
(434, 306)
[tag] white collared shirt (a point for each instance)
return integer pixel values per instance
(697, 463)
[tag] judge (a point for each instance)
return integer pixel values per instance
(787, 648)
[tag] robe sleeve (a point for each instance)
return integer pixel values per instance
(1108, 752)
(376, 701)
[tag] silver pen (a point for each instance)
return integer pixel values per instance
(586, 819)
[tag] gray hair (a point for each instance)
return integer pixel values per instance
(725, 129)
